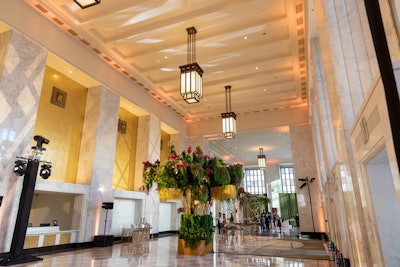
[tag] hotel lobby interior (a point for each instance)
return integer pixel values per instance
(98, 101)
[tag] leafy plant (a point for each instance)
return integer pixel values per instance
(236, 174)
(220, 175)
(150, 173)
(195, 228)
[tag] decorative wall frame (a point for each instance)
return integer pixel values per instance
(121, 126)
(58, 97)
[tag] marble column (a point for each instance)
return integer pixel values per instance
(200, 141)
(304, 163)
(22, 66)
(179, 142)
(148, 148)
(96, 162)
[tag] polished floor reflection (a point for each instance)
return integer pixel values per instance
(236, 251)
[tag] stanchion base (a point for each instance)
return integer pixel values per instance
(12, 260)
(103, 240)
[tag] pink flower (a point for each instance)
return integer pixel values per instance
(184, 166)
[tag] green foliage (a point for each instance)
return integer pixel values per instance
(167, 178)
(220, 175)
(150, 173)
(236, 174)
(195, 228)
(192, 171)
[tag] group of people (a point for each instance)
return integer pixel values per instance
(268, 219)
(221, 221)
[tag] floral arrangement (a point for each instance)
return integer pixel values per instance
(193, 172)
(150, 173)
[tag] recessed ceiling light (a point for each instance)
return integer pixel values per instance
(245, 37)
(257, 68)
(165, 57)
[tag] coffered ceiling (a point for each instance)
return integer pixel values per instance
(256, 46)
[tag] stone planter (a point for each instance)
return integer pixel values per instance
(169, 194)
(201, 250)
(224, 192)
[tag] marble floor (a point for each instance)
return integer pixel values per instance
(229, 251)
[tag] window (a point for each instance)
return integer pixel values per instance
(287, 179)
(254, 181)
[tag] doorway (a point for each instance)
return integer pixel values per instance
(386, 207)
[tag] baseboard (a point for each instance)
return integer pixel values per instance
(167, 233)
(315, 235)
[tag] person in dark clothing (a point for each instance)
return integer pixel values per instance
(219, 222)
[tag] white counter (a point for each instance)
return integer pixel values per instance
(48, 236)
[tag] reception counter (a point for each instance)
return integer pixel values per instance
(48, 236)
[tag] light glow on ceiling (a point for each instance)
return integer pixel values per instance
(149, 41)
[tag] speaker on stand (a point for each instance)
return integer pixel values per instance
(105, 240)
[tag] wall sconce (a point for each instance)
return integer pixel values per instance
(191, 73)
(229, 117)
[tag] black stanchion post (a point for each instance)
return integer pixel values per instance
(16, 256)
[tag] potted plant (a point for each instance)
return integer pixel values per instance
(192, 173)
(195, 234)
(225, 180)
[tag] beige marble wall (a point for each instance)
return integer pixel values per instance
(148, 148)
(304, 163)
(96, 161)
(344, 68)
(22, 64)
(371, 140)
(200, 141)
(178, 141)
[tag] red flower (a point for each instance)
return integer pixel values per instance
(189, 150)
(146, 163)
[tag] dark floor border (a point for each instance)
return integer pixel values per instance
(315, 235)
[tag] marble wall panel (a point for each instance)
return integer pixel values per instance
(304, 163)
(179, 141)
(23, 64)
(148, 148)
(96, 163)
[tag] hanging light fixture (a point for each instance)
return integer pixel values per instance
(86, 3)
(191, 73)
(261, 159)
(229, 117)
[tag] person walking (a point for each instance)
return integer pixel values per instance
(219, 222)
